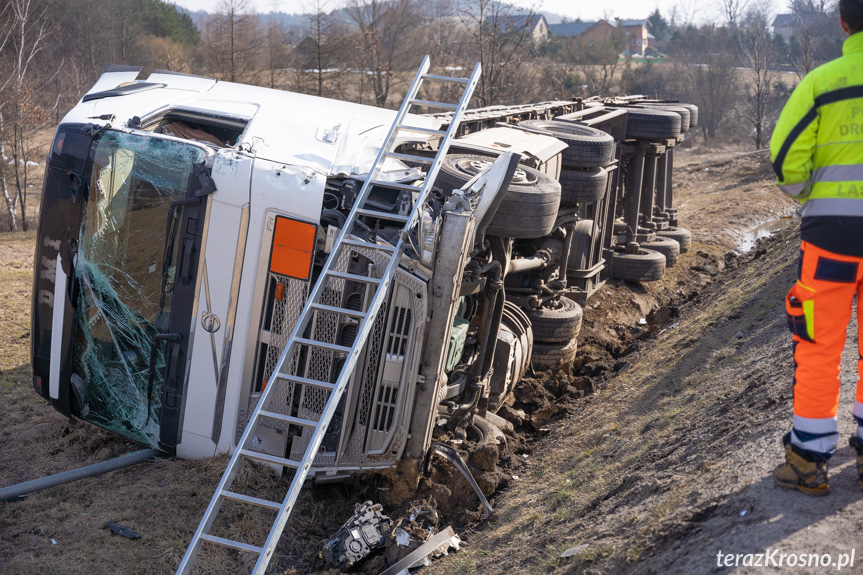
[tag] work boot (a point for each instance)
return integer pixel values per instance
(802, 472)
(857, 443)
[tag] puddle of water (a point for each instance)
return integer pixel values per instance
(763, 231)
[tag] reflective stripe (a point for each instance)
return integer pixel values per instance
(833, 207)
(793, 189)
(816, 435)
(849, 173)
(816, 426)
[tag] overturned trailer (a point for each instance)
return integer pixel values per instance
(318, 285)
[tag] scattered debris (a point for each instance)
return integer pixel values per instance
(572, 551)
(436, 545)
(364, 532)
(614, 451)
(122, 530)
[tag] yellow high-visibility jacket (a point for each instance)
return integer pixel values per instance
(817, 145)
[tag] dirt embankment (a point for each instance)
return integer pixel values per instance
(643, 454)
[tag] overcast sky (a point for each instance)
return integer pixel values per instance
(687, 10)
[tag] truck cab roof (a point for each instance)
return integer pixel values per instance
(330, 136)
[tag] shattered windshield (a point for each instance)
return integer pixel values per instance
(125, 281)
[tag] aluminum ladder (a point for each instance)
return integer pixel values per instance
(303, 337)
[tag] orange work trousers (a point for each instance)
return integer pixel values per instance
(819, 308)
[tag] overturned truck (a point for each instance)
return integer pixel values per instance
(318, 285)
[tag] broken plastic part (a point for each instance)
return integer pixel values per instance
(364, 532)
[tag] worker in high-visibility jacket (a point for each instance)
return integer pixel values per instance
(817, 151)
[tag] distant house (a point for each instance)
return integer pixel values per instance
(783, 25)
(535, 24)
(786, 25)
(570, 29)
(637, 35)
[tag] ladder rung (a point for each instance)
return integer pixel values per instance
(307, 381)
(381, 215)
(289, 419)
(270, 458)
(251, 500)
(431, 104)
(339, 310)
(230, 543)
(430, 131)
(322, 345)
(409, 158)
(354, 278)
(445, 79)
(367, 245)
(395, 185)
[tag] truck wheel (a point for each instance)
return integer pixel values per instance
(529, 207)
(693, 114)
(651, 124)
(582, 186)
(588, 147)
(560, 321)
(548, 356)
(666, 246)
(645, 266)
(683, 112)
(584, 235)
(681, 235)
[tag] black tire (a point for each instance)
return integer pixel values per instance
(559, 322)
(693, 115)
(666, 246)
(651, 124)
(645, 266)
(529, 207)
(681, 235)
(584, 234)
(588, 147)
(582, 186)
(682, 111)
(547, 356)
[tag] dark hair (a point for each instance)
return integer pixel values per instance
(852, 12)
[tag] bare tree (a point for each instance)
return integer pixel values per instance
(732, 11)
(599, 59)
(384, 30)
(23, 38)
(757, 51)
(321, 47)
(499, 36)
(704, 65)
(815, 37)
(234, 41)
